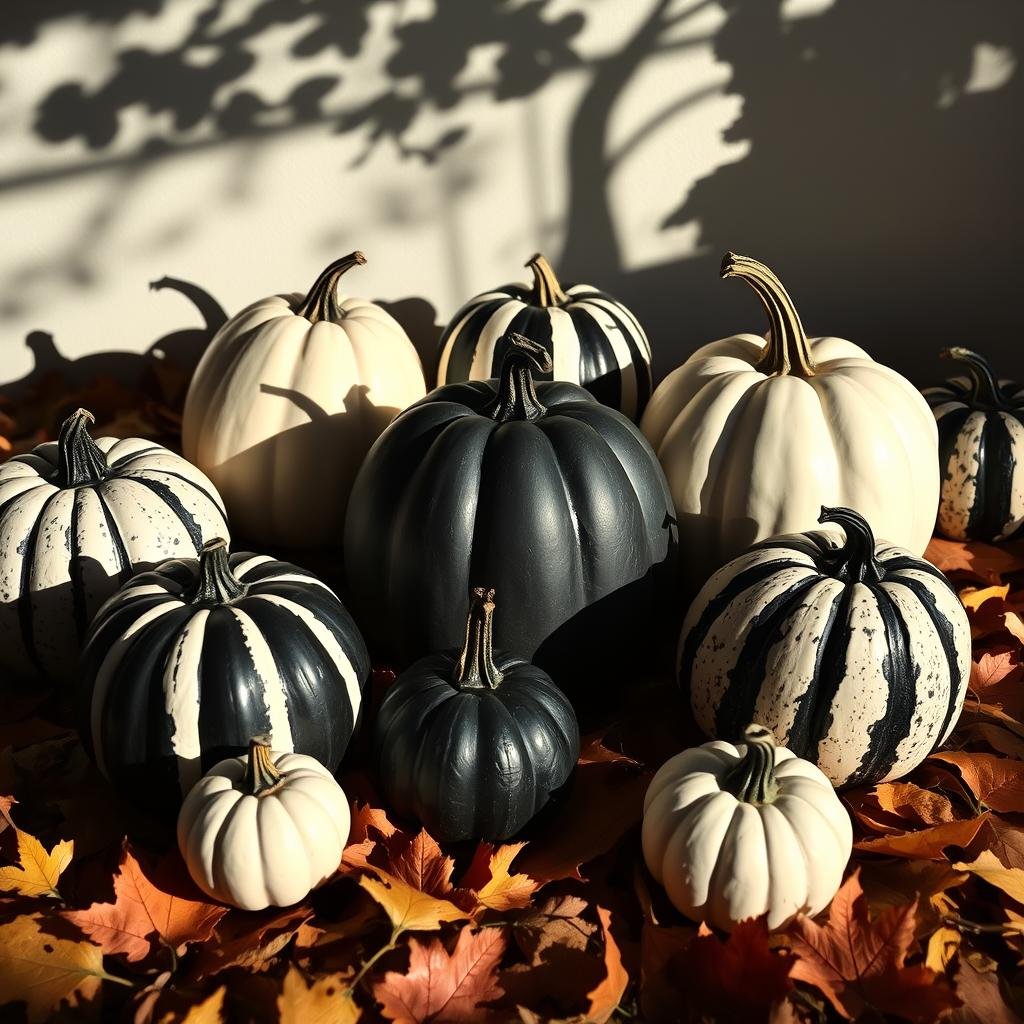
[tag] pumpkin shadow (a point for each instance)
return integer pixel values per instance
(418, 319)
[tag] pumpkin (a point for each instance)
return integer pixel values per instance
(734, 832)
(592, 339)
(187, 662)
(77, 518)
(856, 656)
(473, 743)
(755, 436)
(981, 451)
(286, 402)
(263, 830)
(537, 487)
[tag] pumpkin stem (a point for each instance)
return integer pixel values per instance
(321, 301)
(476, 668)
(855, 561)
(753, 779)
(79, 459)
(788, 351)
(217, 584)
(517, 393)
(985, 388)
(546, 289)
(261, 774)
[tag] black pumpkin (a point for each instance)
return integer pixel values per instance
(473, 743)
(557, 499)
(981, 451)
(187, 662)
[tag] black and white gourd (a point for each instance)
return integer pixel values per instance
(981, 451)
(473, 743)
(78, 517)
(856, 657)
(186, 663)
(593, 339)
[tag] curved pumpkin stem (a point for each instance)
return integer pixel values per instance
(546, 289)
(321, 302)
(217, 584)
(476, 668)
(261, 774)
(517, 393)
(788, 351)
(79, 459)
(855, 561)
(753, 779)
(985, 388)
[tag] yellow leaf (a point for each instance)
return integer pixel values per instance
(943, 945)
(326, 1000)
(209, 1011)
(41, 970)
(505, 891)
(973, 598)
(38, 871)
(989, 868)
(409, 909)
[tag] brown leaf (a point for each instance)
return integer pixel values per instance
(409, 909)
(249, 940)
(143, 915)
(209, 1011)
(38, 870)
(326, 1000)
(442, 987)
(989, 868)
(984, 562)
(972, 598)
(859, 964)
(423, 866)
(996, 782)
(1004, 839)
(927, 843)
(371, 827)
(556, 922)
(40, 970)
(495, 887)
(603, 999)
(593, 751)
(982, 1001)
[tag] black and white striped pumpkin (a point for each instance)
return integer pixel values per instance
(78, 517)
(184, 664)
(981, 451)
(593, 340)
(857, 657)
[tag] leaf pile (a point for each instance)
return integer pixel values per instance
(98, 918)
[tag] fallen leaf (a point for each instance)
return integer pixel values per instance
(996, 782)
(38, 870)
(40, 970)
(209, 1011)
(988, 867)
(927, 843)
(604, 999)
(442, 987)
(594, 751)
(556, 922)
(972, 598)
(984, 562)
(424, 866)
(859, 964)
(1002, 838)
(982, 1001)
(248, 940)
(143, 915)
(370, 826)
(499, 889)
(409, 909)
(326, 1000)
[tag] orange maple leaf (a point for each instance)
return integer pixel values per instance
(984, 562)
(144, 915)
(492, 884)
(445, 987)
(859, 964)
(996, 782)
(423, 865)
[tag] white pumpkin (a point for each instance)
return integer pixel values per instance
(288, 399)
(756, 436)
(264, 830)
(734, 832)
(78, 517)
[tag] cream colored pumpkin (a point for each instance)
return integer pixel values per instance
(734, 832)
(288, 399)
(263, 830)
(756, 436)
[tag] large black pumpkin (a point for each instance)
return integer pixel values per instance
(473, 743)
(981, 451)
(186, 663)
(557, 499)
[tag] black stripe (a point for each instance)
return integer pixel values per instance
(990, 513)
(173, 502)
(123, 560)
(534, 323)
(749, 673)
(124, 462)
(949, 434)
(188, 483)
(902, 562)
(644, 378)
(902, 674)
(463, 348)
(599, 370)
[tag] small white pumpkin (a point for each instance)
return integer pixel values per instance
(264, 830)
(734, 832)
(287, 401)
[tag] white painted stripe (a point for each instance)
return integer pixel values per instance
(627, 370)
(492, 333)
(250, 563)
(960, 483)
(327, 640)
(182, 698)
(442, 368)
(1015, 513)
(565, 346)
(274, 698)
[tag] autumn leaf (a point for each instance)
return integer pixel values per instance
(248, 940)
(603, 1000)
(926, 843)
(442, 987)
(972, 598)
(38, 870)
(984, 562)
(424, 866)
(859, 964)
(40, 970)
(143, 915)
(594, 751)
(988, 867)
(209, 1011)
(983, 1002)
(370, 825)
(556, 922)
(409, 909)
(495, 887)
(996, 782)
(326, 1000)
(1003, 839)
